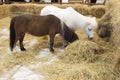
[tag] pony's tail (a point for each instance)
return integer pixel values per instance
(12, 34)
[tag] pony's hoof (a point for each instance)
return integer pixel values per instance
(23, 49)
(51, 50)
(11, 49)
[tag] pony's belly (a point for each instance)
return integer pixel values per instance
(37, 33)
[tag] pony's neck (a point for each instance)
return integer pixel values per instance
(91, 21)
(81, 21)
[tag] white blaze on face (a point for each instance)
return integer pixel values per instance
(89, 31)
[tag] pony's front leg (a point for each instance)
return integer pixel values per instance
(64, 41)
(21, 43)
(51, 42)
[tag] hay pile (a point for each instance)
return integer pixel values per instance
(117, 65)
(81, 51)
(5, 10)
(109, 25)
(97, 11)
(17, 59)
(82, 71)
(30, 8)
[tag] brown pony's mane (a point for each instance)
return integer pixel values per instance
(38, 26)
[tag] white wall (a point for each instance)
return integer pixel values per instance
(48, 1)
(65, 1)
(100, 1)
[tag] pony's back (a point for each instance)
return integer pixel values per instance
(47, 9)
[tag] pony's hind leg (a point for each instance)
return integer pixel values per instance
(21, 43)
(51, 42)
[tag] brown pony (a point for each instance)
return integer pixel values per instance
(38, 26)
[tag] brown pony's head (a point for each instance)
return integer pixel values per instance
(69, 35)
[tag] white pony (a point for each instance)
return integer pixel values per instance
(72, 19)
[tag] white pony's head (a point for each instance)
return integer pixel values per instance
(90, 26)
